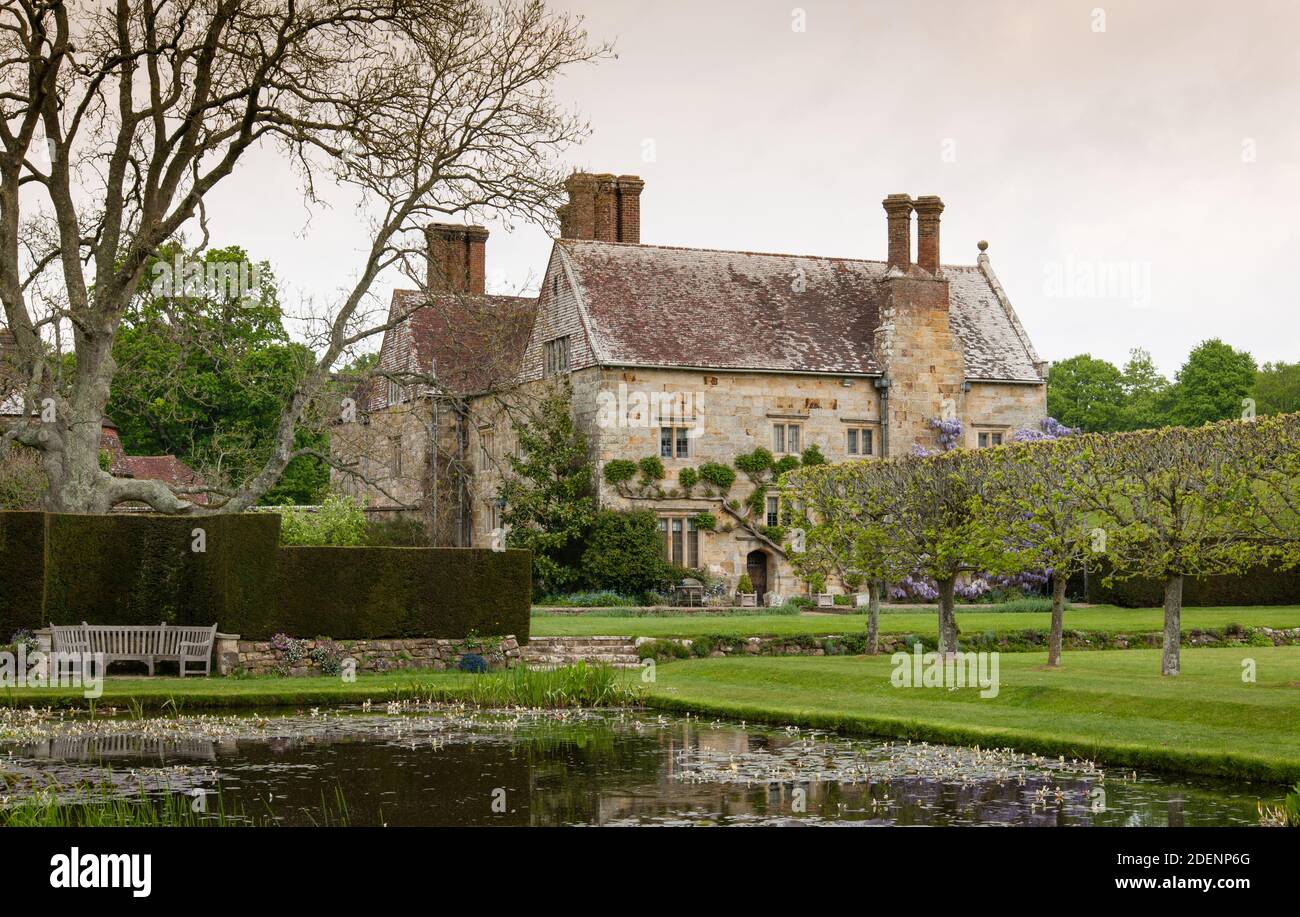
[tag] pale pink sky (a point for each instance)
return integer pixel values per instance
(1164, 148)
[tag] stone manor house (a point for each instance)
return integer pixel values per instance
(692, 355)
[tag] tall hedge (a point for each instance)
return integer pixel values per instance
(22, 571)
(361, 593)
(1259, 586)
(144, 569)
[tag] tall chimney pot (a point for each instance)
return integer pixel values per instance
(898, 210)
(928, 209)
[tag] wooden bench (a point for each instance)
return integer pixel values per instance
(138, 643)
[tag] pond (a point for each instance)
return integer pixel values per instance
(446, 765)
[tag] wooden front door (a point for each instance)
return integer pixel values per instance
(756, 567)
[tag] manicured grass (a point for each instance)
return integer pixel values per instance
(579, 685)
(1113, 707)
(1099, 618)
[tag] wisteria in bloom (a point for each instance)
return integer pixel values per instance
(917, 588)
(1048, 428)
(949, 431)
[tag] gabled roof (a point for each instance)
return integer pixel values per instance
(166, 468)
(469, 343)
(655, 305)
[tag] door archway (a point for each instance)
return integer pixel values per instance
(756, 567)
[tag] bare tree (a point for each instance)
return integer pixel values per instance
(119, 121)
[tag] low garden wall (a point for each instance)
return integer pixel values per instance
(329, 657)
(855, 644)
(148, 569)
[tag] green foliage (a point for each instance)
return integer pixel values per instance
(22, 571)
(143, 569)
(1212, 384)
(22, 480)
(617, 471)
(401, 532)
(813, 455)
(368, 593)
(205, 377)
(720, 476)
(755, 463)
(598, 599)
(550, 505)
(705, 522)
(624, 552)
(757, 501)
(1086, 393)
(1146, 392)
(773, 533)
(745, 585)
(1254, 585)
(688, 478)
(652, 468)
(784, 464)
(1277, 388)
(338, 521)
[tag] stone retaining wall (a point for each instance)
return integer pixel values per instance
(260, 657)
(855, 643)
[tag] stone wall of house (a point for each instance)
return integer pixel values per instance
(260, 657)
(1001, 407)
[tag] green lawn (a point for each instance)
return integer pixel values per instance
(1109, 706)
(1100, 618)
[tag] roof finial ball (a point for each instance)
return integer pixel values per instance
(982, 245)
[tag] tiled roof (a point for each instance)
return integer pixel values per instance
(470, 343)
(664, 306)
(166, 468)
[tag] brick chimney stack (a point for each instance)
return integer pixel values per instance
(898, 210)
(457, 261)
(928, 209)
(605, 208)
(629, 208)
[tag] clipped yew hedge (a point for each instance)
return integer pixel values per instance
(1259, 586)
(22, 571)
(145, 569)
(361, 593)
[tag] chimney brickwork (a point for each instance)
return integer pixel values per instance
(915, 343)
(457, 259)
(604, 208)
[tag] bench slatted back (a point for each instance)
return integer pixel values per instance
(70, 638)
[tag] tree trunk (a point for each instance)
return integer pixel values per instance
(947, 619)
(1058, 619)
(873, 616)
(1170, 662)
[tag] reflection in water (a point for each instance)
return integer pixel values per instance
(449, 766)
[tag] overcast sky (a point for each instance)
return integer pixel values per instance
(1135, 166)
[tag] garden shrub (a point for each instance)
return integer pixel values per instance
(624, 552)
(619, 470)
(652, 468)
(338, 521)
(401, 532)
(720, 476)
